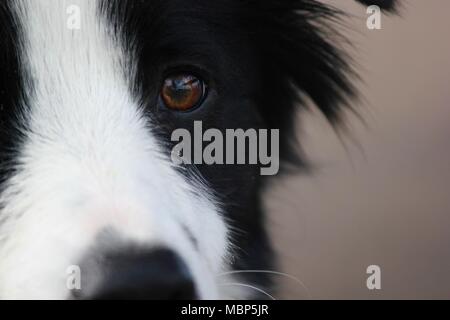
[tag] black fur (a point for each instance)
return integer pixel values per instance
(11, 92)
(384, 4)
(262, 59)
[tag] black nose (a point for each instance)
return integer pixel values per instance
(155, 275)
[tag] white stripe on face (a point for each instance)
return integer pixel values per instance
(89, 162)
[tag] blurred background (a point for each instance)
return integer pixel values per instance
(379, 195)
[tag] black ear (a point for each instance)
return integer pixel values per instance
(383, 4)
(299, 50)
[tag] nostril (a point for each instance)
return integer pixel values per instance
(158, 274)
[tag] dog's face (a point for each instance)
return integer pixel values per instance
(87, 113)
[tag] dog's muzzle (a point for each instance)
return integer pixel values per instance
(130, 274)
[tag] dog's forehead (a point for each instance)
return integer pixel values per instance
(160, 30)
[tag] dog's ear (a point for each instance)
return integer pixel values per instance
(298, 46)
(389, 5)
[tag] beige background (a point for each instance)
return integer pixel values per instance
(381, 195)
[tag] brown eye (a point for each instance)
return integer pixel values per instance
(182, 92)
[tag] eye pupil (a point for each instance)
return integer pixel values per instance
(182, 92)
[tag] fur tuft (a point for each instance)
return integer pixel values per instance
(298, 53)
(389, 5)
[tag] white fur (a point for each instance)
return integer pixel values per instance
(89, 162)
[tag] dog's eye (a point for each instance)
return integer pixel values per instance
(183, 92)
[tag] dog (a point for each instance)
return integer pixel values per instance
(90, 93)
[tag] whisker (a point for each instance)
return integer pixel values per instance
(278, 273)
(248, 286)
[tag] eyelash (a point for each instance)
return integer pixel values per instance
(191, 69)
